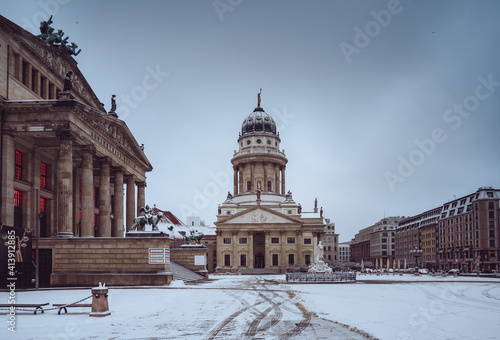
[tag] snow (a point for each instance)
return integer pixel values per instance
(266, 307)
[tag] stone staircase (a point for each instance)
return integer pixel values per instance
(182, 273)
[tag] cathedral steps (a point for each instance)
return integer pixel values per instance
(260, 271)
(182, 273)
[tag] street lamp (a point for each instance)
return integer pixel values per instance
(416, 253)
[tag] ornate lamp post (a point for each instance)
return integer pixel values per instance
(416, 253)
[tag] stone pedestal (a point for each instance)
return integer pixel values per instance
(100, 305)
(187, 255)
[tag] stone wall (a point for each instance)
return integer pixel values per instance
(115, 261)
(185, 257)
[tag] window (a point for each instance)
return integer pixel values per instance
(43, 175)
(25, 73)
(227, 260)
(307, 259)
(492, 233)
(269, 187)
(192, 223)
(34, 80)
(18, 198)
(249, 185)
(18, 212)
(384, 240)
(491, 214)
(43, 87)
(275, 259)
(492, 243)
(384, 246)
(491, 224)
(96, 198)
(275, 240)
(243, 260)
(291, 259)
(329, 248)
(227, 240)
(290, 240)
(490, 194)
(19, 165)
(491, 205)
(243, 240)
(307, 241)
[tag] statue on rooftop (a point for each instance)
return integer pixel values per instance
(113, 104)
(52, 37)
(258, 98)
(68, 83)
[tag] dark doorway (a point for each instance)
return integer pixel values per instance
(259, 247)
(259, 260)
(45, 264)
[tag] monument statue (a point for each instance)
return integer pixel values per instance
(195, 236)
(68, 83)
(113, 104)
(149, 218)
(320, 251)
(51, 37)
(258, 194)
(258, 98)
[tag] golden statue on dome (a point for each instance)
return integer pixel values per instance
(258, 98)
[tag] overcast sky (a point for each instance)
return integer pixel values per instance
(384, 108)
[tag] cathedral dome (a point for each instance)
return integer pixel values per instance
(258, 121)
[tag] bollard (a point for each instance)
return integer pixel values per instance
(100, 305)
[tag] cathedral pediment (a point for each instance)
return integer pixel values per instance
(260, 215)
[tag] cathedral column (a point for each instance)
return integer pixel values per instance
(253, 186)
(235, 190)
(264, 189)
(130, 202)
(118, 204)
(65, 188)
(87, 201)
(277, 179)
(283, 192)
(104, 200)
(240, 178)
(234, 250)
(300, 243)
(220, 260)
(141, 196)
(267, 251)
(8, 168)
(315, 243)
(250, 249)
(283, 249)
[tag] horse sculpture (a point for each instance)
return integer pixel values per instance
(195, 236)
(148, 218)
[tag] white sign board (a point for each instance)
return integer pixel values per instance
(158, 255)
(200, 260)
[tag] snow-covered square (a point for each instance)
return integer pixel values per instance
(267, 307)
